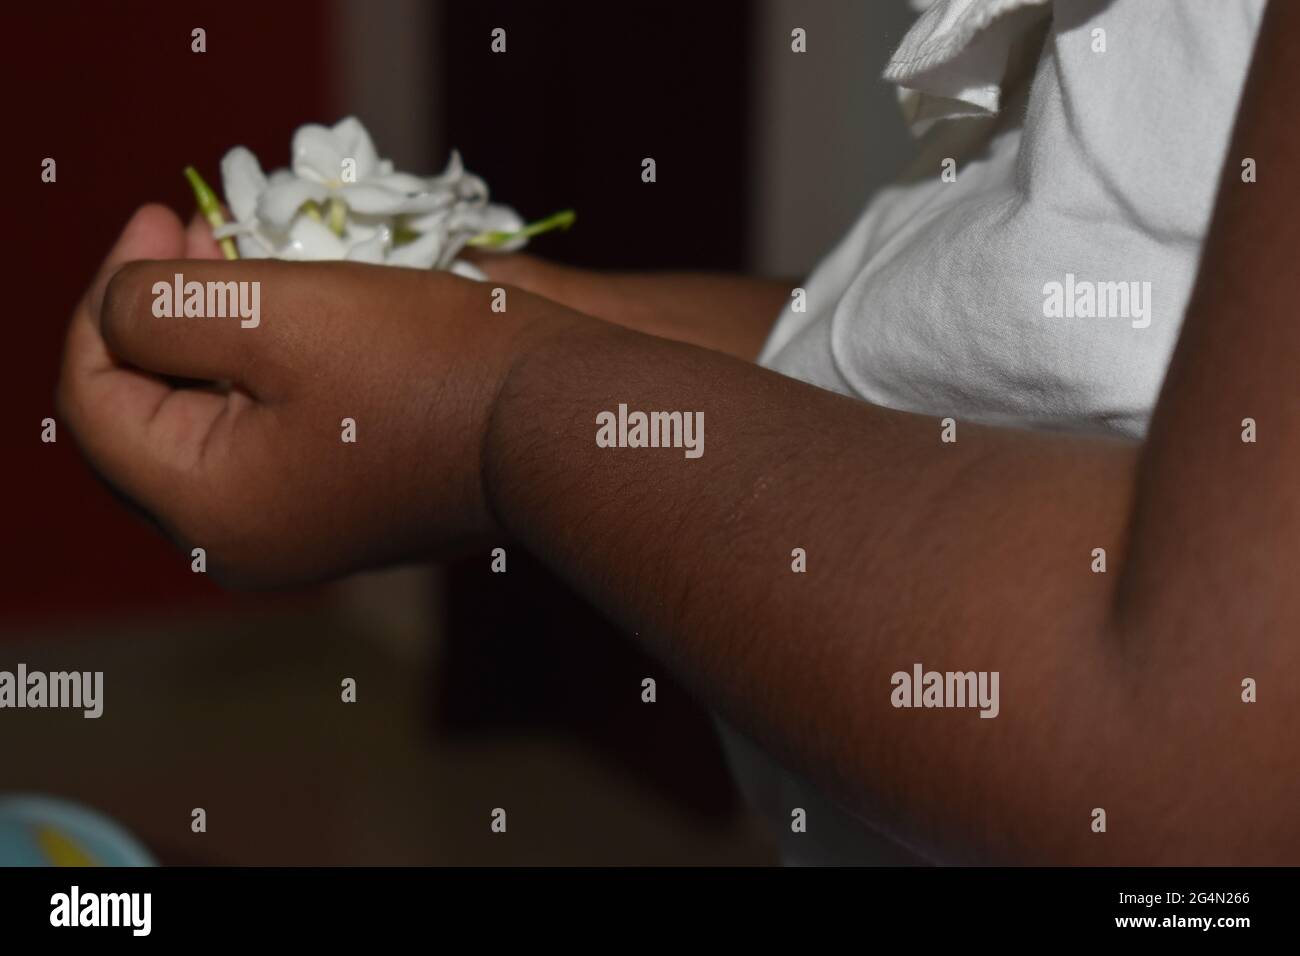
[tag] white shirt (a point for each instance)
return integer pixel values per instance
(1046, 285)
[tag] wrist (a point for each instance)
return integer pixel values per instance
(547, 354)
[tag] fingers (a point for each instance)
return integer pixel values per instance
(199, 319)
(109, 407)
(250, 322)
(152, 232)
(199, 243)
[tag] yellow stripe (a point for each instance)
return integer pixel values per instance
(61, 850)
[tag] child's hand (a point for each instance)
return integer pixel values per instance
(259, 475)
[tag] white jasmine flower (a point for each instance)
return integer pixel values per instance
(340, 200)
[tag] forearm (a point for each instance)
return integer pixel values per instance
(918, 551)
(1122, 689)
(974, 555)
(731, 314)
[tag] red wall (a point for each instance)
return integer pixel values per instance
(114, 94)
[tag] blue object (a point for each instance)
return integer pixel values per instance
(43, 831)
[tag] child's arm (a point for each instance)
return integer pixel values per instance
(1119, 691)
(731, 314)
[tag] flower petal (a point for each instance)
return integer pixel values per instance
(485, 218)
(498, 218)
(355, 232)
(370, 200)
(451, 248)
(355, 143)
(243, 181)
(316, 154)
(472, 189)
(451, 175)
(281, 202)
(370, 250)
(360, 227)
(467, 270)
(420, 253)
(312, 240)
(403, 183)
(251, 246)
(435, 219)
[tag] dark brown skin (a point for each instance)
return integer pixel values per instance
(731, 314)
(1118, 690)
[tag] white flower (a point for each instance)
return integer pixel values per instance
(339, 200)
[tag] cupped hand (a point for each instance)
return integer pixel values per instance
(232, 435)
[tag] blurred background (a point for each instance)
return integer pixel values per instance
(474, 690)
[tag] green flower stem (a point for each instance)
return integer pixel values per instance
(338, 215)
(561, 220)
(211, 209)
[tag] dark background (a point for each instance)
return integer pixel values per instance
(539, 653)
(476, 690)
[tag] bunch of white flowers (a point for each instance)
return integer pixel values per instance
(339, 200)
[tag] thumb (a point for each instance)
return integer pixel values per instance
(153, 232)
